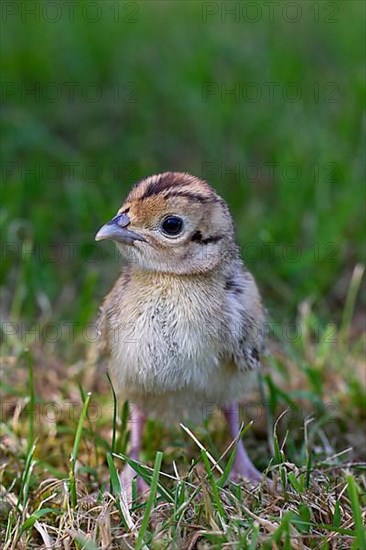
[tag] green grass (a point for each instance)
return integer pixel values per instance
(170, 126)
(314, 454)
(66, 166)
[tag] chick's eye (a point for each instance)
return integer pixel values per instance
(172, 225)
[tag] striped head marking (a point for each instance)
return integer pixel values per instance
(173, 222)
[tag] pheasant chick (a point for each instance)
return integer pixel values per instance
(184, 322)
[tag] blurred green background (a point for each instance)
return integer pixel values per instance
(264, 100)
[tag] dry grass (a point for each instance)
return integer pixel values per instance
(308, 431)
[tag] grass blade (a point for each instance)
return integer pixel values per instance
(117, 492)
(150, 501)
(146, 475)
(357, 512)
(224, 476)
(26, 477)
(28, 524)
(32, 399)
(215, 490)
(115, 412)
(351, 300)
(75, 450)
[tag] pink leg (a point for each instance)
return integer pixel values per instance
(137, 424)
(242, 466)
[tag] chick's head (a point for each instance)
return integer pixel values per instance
(173, 223)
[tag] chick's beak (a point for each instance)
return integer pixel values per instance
(116, 230)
